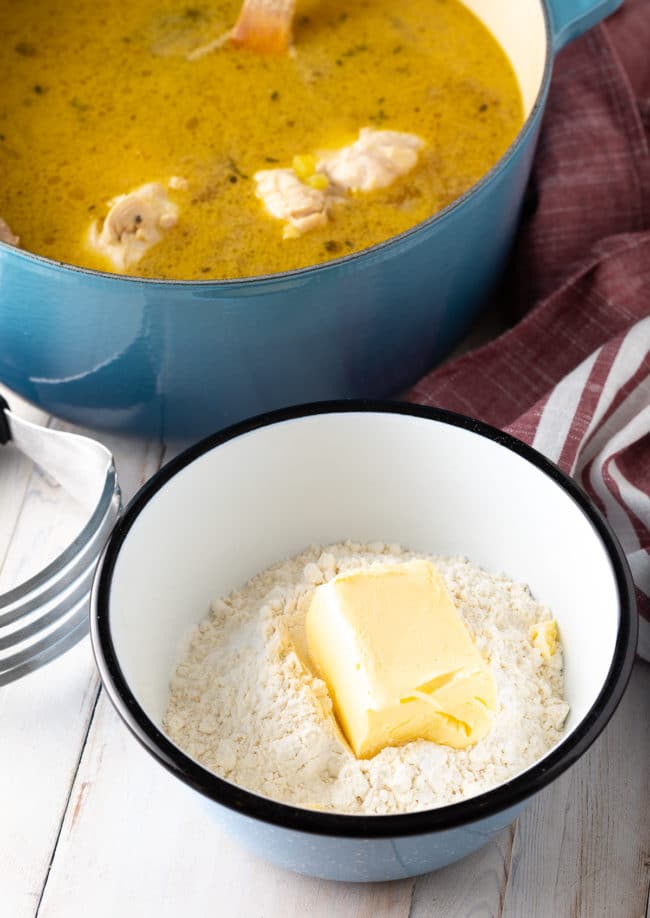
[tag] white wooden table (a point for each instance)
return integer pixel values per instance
(90, 826)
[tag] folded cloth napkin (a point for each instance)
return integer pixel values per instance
(572, 378)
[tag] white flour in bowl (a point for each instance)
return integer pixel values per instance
(244, 704)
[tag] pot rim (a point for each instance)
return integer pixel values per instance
(346, 260)
(451, 816)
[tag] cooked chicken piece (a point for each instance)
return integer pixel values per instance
(6, 235)
(134, 223)
(303, 195)
(286, 197)
(264, 26)
(375, 160)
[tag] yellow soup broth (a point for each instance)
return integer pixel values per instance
(98, 99)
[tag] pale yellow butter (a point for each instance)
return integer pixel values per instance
(398, 660)
(545, 636)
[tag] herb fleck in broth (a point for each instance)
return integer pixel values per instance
(96, 102)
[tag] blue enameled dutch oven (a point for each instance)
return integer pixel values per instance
(183, 358)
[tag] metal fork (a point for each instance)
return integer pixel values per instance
(47, 614)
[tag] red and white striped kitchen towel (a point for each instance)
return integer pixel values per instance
(572, 378)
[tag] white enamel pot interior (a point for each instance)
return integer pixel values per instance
(532, 32)
(432, 481)
(524, 32)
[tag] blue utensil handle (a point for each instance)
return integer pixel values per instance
(570, 18)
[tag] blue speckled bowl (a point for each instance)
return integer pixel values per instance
(183, 358)
(431, 480)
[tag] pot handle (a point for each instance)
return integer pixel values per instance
(570, 18)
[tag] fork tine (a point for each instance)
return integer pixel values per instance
(70, 566)
(48, 614)
(49, 647)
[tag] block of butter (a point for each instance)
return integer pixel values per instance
(398, 660)
(545, 636)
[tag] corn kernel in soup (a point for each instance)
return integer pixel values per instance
(99, 100)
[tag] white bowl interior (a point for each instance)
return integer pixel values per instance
(519, 29)
(368, 476)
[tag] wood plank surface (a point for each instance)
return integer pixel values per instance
(474, 886)
(167, 850)
(583, 847)
(580, 849)
(44, 718)
(43, 722)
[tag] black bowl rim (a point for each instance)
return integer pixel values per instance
(249, 804)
